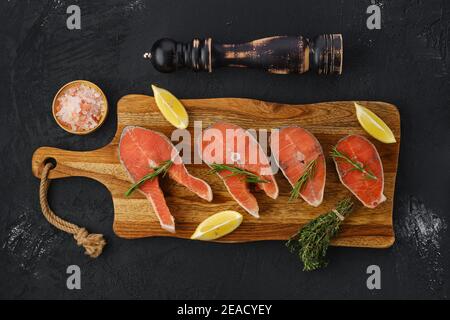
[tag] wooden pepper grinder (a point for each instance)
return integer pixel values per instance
(279, 54)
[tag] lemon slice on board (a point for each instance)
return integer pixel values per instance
(373, 125)
(171, 108)
(218, 225)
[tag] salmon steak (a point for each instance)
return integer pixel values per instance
(295, 149)
(140, 151)
(229, 144)
(360, 169)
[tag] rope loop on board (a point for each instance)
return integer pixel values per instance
(93, 243)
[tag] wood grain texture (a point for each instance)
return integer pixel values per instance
(329, 121)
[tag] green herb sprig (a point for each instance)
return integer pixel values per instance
(312, 241)
(309, 173)
(248, 176)
(336, 154)
(162, 169)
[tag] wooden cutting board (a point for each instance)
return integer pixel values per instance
(329, 121)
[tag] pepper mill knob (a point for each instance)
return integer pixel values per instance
(167, 55)
(279, 54)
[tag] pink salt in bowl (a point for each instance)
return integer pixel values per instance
(80, 107)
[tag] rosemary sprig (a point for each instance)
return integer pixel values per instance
(312, 241)
(336, 154)
(309, 173)
(248, 176)
(163, 168)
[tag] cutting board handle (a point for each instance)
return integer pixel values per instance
(72, 163)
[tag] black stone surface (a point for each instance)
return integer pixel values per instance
(405, 63)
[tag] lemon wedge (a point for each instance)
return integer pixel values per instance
(171, 108)
(373, 125)
(218, 225)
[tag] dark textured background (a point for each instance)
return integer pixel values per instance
(405, 63)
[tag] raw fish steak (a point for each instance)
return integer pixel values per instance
(366, 184)
(141, 150)
(294, 150)
(229, 144)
